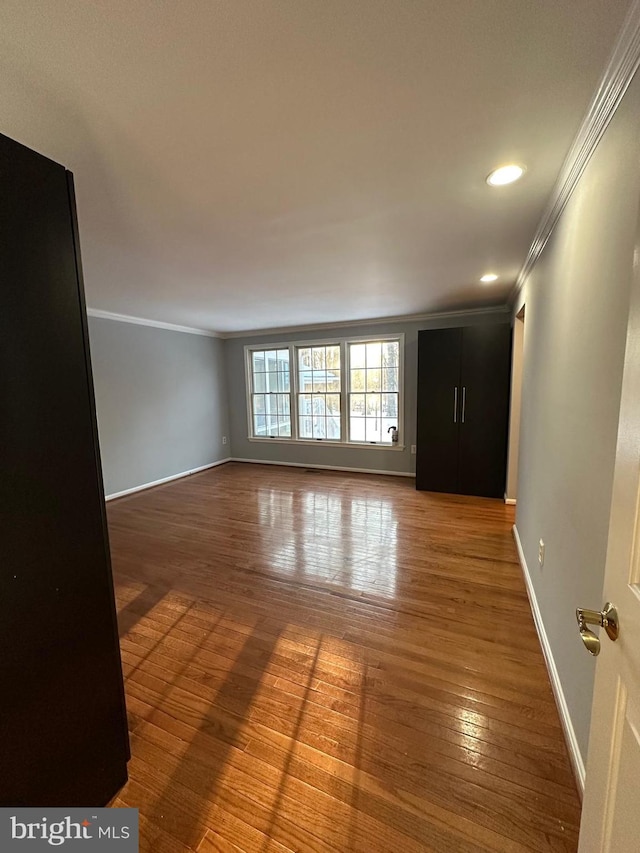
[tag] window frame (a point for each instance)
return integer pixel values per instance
(295, 349)
(399, 392)
(345, 376)
(253, 393)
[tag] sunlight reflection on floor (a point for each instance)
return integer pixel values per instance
(345, 541)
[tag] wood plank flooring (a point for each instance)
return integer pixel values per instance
(319, 661)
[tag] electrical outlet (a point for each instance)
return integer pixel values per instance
(413, 448)
(224, 439)
(541, 553)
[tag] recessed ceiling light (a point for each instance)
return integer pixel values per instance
(490, 276)
(505, 175)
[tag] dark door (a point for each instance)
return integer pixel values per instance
(438, 409)
(63, 737)
(484, 415)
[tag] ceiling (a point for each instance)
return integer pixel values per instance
(245, 164)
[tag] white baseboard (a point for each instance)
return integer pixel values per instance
(325, 467)
(509, 501)
(565, 718)
(256, 462)
(165, 480)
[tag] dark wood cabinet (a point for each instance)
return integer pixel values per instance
(63, 733)
(463, 409)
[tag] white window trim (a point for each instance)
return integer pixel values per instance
(345, 373)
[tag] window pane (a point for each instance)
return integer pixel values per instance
(283, 359)
(319, 380)
(356, 429)
(272, 424)
(259, 382)
(269, 404)
(270, 360)
(390, 353)
(374, 354)
(305, 381)
(272, 382)
(333, 427)
(333, 404)
(260, 424)
(357, 355)
(258, 362)
(285, 428)
(304, 404)
(372, 405)
(356, 405)
(258, 404)
(319, 427)
(333, 358)
(333, 380)
(283, 404)
(318, 361)
(357, 380)
(374, 380)
(390, 379)
(305, 427)
(390, 406)
(372, 429)
(304, 358)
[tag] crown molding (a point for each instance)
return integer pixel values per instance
(156, 324)
(623, 64)
(500, 310)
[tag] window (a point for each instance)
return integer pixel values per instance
(271, 397)
(374, 390)
(319, 384)
(339, 391)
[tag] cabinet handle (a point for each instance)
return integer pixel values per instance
(464, 401)
(455, 404)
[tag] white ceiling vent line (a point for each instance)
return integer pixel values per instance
(619, 72)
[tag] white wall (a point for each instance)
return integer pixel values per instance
(576, 315)
(161, 401)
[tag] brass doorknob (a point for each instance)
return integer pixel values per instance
(607, 619)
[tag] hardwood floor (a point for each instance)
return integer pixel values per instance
(319, 661)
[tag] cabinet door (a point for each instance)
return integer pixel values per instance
(438, 409)
(62, 715)
(486, 361)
